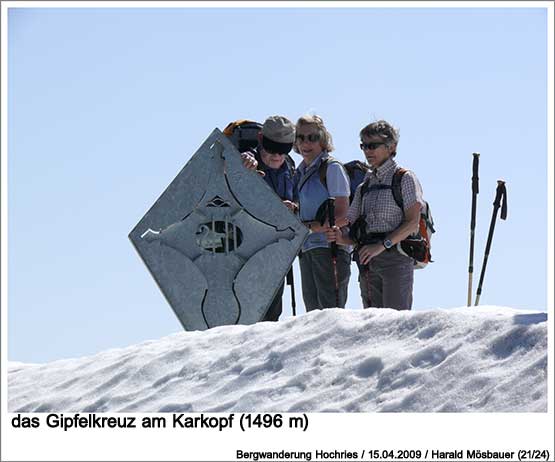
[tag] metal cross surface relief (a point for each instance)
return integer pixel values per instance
(218, 241)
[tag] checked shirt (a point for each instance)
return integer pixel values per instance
(381, 212)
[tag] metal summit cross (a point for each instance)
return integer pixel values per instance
(218, 241)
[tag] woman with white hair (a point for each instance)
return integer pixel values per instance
(324, 276)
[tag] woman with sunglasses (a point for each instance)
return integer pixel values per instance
(387, 275)
(324, 276)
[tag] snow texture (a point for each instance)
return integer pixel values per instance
(486, 359)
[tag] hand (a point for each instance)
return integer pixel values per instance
(367, 252)
(291, 206)
(334, 234)
(249, 161)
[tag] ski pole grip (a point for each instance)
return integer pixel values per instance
(475, 179)
(501, 195)
(331, 211)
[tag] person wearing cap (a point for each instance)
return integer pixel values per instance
(276, 140)
(324, 279)
(387, 276)
(272, 159)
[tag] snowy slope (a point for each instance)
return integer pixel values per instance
(485, 359)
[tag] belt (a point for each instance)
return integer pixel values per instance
(372, 238)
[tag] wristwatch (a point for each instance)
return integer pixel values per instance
(387, 244)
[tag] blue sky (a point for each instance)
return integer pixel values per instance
(106, 105)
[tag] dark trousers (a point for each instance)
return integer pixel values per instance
(276, 307)
(363, 285)
(318, 279)
(389, 281)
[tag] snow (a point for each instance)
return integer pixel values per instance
(478, 359)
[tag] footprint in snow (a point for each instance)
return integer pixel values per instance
(369, 367)
(428, 357)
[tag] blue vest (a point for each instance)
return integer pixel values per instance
(312, 193)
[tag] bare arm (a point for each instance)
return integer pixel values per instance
(408, 226)
(341, 209)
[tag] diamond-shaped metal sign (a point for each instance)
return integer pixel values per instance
(218, 241)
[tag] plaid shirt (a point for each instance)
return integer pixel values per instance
(379, 208)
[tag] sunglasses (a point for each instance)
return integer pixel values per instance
(275, 153)
(370, 146)
(312, 137)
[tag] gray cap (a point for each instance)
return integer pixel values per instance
(279, 129)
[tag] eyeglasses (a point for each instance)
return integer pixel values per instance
(312, 137)
(370, 146)
(275, 153)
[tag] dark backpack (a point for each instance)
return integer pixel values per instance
(418, 245)
(356, 170)
(243, 134)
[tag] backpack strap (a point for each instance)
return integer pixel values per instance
(323, 172)
(395, 187)
(290, 164)
(323, 169)
(364, 189)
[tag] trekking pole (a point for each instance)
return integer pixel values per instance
(333, 246)
(475, 191)
(501, 194)
(291, 282)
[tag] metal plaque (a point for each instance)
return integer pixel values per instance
(218, 241)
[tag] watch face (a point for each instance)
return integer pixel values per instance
(387, 244)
